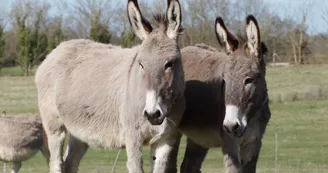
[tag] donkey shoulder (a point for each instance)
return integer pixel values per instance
(201, 47)
(202, 51)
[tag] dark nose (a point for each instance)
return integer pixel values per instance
(152, 115)
(231, 128)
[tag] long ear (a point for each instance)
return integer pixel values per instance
(253, 36)
(226, 39)
(140, 25)
(174, 18)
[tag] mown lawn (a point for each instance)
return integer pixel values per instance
(300, 126)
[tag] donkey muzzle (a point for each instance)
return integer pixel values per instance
(154, 117)
(155, 110)
(234, 122)
(234, 129)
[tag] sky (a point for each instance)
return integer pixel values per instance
(315, 23)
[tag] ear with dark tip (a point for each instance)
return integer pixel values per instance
(225, 38)
(174, 18)
(253, 36)
(141, 26)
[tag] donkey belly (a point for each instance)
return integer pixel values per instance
(10, 154)
(103, 134)
(207, 138)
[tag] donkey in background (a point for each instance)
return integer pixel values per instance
(111, 97)
(21, 137)
(226, 100)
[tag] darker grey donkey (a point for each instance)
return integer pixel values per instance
(21, 137)
(108, 96)
(226, 100)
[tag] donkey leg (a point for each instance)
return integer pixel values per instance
(76, 150)
(249, 154)
(230, 151)
(55, 143)
(133, 146)
(16, 167)
(165, 153)
(55, 131)
(193, 158)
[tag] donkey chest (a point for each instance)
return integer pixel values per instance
(154, 134)
(251, 134)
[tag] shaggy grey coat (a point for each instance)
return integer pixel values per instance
(226, 100)
(21, 138)
(113, 97)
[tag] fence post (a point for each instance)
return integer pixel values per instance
(276, 153)
(116, 159)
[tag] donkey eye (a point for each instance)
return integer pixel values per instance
(168, 65)
(249, 80)
(140, 64)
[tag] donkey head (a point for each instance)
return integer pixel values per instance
(243, 74)
(159, 59)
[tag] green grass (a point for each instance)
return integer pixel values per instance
(300, 126)
(14, 71)
(11, 71)
(18, 95)
(297, 83)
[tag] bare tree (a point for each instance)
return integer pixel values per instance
(86, 12)
(105, 20)
(199, 20)
(297, 26)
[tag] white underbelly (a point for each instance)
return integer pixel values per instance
(205, 137)
(97, 137)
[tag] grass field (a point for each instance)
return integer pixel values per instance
(299, 108)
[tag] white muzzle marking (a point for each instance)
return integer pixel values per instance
(233, 115)
(154, 103)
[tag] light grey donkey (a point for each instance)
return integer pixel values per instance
(21, 137)
(226, 100)
(107, 96)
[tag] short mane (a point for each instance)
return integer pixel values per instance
(160, 19)
(206, 47)
(241, 39)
